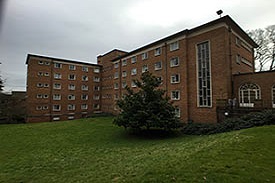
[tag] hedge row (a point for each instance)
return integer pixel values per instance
(266, 117)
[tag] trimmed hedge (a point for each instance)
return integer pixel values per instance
(266, 117)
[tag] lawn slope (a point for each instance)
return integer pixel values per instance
(93, 150)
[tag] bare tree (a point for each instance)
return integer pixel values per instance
(265, 53)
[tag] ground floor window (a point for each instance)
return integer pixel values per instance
(249, 92)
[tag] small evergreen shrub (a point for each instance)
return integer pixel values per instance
(266, 117)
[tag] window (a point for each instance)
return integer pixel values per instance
(84, 87)
(157, 51)
(70, 117)
(96, 70)
(40, 62)
(238, 59)
(85, 68)
(47, 63)
(39, 85)
(160, 79)
(124, 62)
(46, 96)
(144, 56)
(174, 46)
(56, 86)
(71, 87)
(238, 41)
(45, 107)
(116, 65)
(96, 106)
(84, 78)
(56, 118)
(40, 74)
(116, 75)
(273, 96)
(96, 97)
(84, 97)
(97, 88)
(177, 111)
(116, 86)
(56, 107)
(71, 97)
(57, 76)
(71, 107)
(84, 106)
(46, 85)
(175, 95)
(133, 59)
(133, 84)
(72, 67)
(71, 77)
(144, 68)
(46, 74)
(57, 65)
(124, 84)
(39, 108)
(175, 78)
(249, 92)
(204, 75)
(134, 72)
(56, 97)
(39, 96)
(158, 65)
(174, 62)
(124, 74)
(96, 79)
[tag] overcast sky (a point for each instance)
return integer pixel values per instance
(82, 30)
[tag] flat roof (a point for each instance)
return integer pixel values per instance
(60, 59)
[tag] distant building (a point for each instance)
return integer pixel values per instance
(202, 69)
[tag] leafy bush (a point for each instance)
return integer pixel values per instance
(266, 117)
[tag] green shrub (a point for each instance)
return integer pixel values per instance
(266, 117)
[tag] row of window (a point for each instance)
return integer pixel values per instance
(240, 59)
(249, 92)
(69, 97)
(57, 86)
(58, 65)
(73, 77)
(70, 107)
(174, 62)
(175, 78)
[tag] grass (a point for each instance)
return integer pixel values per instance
(93, 150)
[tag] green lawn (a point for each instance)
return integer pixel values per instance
(93, 150)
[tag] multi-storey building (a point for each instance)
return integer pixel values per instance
(59, 89)
(198, 68)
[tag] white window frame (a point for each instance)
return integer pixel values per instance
(134, 71)
(84, 106)
(174, 79)
(156, 65)
(116, 65)
(177, 112)
(145, 68)
(124, 74)
(116, 86)
(174, 46)
(72, 67)
(133, 59)
(85, 78)
(174, 62)
(85, 69)
(84, 88)
(57, 65)
(96, 70)
(133, 84)
(96, 79)
(116, 75)
(72, 77)
(57, 76)
(57, 86)
(71, 107)
(84, 97)
(56, 107)
(71, 97)
(124, 62)
(56, 97)
(71, 87)
(248, 88)
(144, 56)
(40, 62)
(158, 51)
(175, 95)
(96, 88)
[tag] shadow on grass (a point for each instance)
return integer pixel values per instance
(152, 134)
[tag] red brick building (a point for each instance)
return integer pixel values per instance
(198, 68)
